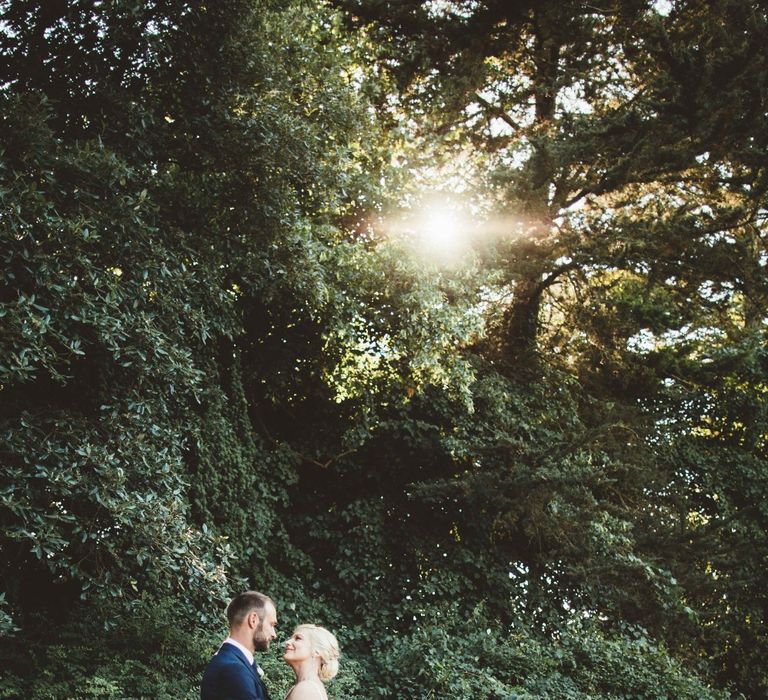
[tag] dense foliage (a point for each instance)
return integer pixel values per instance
(540, 473)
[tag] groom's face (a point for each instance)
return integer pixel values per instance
(265, 631)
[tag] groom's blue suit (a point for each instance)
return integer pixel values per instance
(229, 676)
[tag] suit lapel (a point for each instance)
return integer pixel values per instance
(251, 667)
(260, 684)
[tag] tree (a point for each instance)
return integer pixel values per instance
(621, 148)
(169, 179)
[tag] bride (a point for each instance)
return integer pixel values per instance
(313, 654)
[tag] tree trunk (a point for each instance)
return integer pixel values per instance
(521, 320)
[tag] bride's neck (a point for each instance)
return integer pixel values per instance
(306, 671)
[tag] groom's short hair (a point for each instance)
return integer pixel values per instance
(243, 603)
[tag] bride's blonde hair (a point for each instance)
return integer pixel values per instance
(327, 648)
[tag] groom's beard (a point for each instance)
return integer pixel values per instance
(260, 642)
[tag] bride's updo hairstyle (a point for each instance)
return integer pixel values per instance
(327, 648)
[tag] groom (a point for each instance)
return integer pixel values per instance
(232, 673)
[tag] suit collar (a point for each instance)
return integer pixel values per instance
(245, 652)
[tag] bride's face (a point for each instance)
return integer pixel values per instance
(298, 647)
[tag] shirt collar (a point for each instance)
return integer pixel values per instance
(246, 652)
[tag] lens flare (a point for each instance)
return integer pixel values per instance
(438, 229)
(441, 231)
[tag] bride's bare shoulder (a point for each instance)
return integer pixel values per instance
(306, 690)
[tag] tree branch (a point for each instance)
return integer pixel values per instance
(497, 111)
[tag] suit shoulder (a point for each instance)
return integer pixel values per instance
(227, 655)
(224, 662)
